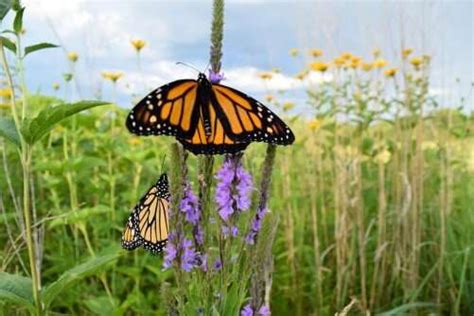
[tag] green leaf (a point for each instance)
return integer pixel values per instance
(40, 46)
(36, 128)
(9, 131)
(5, 6)
(16, 289)
(8, 43)
(76, 274)
(18, 22)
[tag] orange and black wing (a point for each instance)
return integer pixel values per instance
(246, 120)
(148, 225)
(216, 140)
(168, 110)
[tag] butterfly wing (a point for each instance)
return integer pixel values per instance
(244, 119)
(130, 237)
(217, 141)
(168, 110)
(148, 225)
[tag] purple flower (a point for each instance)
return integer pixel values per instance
(233, 189)
(170, 252)
(215, 77)
(255, 226)
(246, 311)
(233, 231)
(198, 234)
(264, 311)
(217, 265)
(190, 205)
(189, 257)
(203, 262)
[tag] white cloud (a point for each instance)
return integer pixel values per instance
(243, 78)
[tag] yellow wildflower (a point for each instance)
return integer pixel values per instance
(138, 44)
(416, 62)
(315, 52)
(276, 70)
(383, 157)
(113, 76)
(5, 92)
(302, 74)
(376, 52)
(407, 52)
(72, 56)
(56, 86)
(315, 124)
(269, 98)
(294, 52)
(355, 62)
(319, 66)
(390, 72)
(288, 106)
(265, 75)
(346, 55)
(339, 62)
(380, 63)
(366, 66)
(134, 141)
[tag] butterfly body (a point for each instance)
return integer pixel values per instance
(207, 118)
(148, 224)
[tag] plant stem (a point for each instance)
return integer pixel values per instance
(25, 153)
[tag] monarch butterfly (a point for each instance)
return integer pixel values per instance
(148, 223)
(207, 118)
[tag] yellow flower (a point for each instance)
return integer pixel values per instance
(276, 70)
(339, 62)
(72, 56)
(265, 75)
(346, 55)
(315, 124)
(294, 52)
(319, 66)
(383, 157)
(407, 52)
(376, 52)
(355, 62)
(366, 66)
(5, 92)
(288, 106)
(269, 98)
(390, 72)
(315, 52)
(380, 63)
(302, 74)
(113, 76)
(134, 141)
(56, 86)
(416, 62)
(138, 44)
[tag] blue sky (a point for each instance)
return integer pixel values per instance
(258, 36)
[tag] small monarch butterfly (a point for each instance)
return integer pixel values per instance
(148, 223)
(207, 118)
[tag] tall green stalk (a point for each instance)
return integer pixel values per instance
(25, 158)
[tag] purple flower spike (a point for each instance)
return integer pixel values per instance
(264, 311)
(217, 265)
(256, 226)
(170, 252)
(190, 206)
(189, 257)
(246, 311)
(215, 77)
(234, 186)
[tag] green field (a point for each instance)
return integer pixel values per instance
(371, 208)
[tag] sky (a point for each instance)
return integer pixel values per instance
(258, 35)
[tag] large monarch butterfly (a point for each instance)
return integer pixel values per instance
(207, 118)
(148, 223)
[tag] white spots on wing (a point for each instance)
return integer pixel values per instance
(140, 128)
(153, 119)
(131, 116)
(134, 123)
(158, 125)
(150, 107)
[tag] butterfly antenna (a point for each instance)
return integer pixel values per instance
(188, 65)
